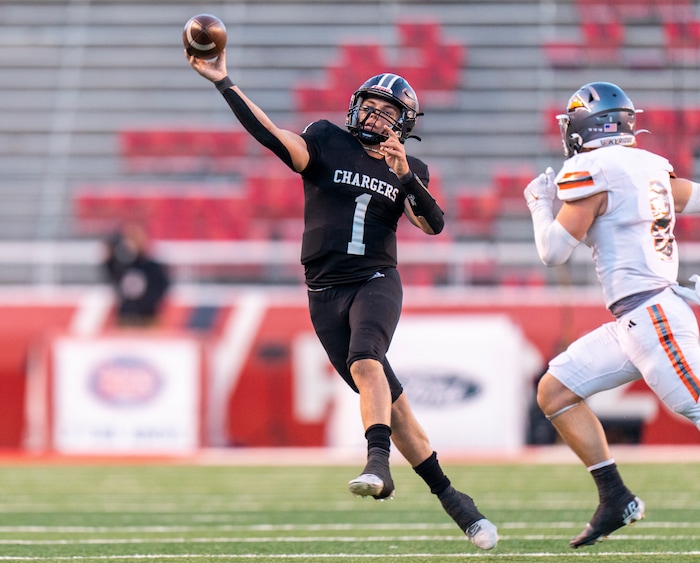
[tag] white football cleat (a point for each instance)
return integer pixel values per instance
(483, 534)
(370, 485)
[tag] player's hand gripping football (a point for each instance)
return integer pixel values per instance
(394, 153)
(542, 188)
(213, 70)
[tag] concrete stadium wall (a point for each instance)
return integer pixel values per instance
(269, 383)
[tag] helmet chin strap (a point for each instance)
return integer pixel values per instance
(372, 149)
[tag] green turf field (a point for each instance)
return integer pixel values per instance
(186, 513)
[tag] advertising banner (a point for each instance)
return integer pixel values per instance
(467, 378)
(126, 394)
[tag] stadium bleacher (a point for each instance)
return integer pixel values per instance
(100, 115)
(101, 119)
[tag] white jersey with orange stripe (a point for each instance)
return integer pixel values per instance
(633, 245)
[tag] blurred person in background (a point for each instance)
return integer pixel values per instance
(140, 281)
(358, 182)
(620, 201)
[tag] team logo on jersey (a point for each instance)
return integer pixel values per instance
(351, 178)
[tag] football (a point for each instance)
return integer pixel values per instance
(204, 36)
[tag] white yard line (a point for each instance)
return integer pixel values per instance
(370, 556)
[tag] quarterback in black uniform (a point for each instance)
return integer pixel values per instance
(358, 182)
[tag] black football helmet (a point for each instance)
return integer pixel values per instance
(599, 114)
(390, 87)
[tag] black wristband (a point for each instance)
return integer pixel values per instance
(224, 84)
(422, 203)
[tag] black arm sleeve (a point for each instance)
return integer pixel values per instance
(251, 123)
(422, 203)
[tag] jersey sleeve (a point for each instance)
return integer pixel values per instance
(580, 178)
(310, 135)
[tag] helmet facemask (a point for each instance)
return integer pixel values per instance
(360, 114)
(393, 89)
(572, 142)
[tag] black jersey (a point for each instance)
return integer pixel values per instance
(352, 205)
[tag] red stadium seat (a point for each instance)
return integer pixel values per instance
(690, 120)
(100, 211)
(508, 185)
(603, 41)
(687, 228)
(434, 63)
(325, 97)
(673, 134)
(475, 214)
(527, 277)
(182, 142)
(275, 196)
(419, 34)
(682, 40)
(358, 63)
(602, 31)
(179, 150)
(673, 10)
(564, 54)
(169, 213)
(634, 9)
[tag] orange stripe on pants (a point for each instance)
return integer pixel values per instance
(673, 351)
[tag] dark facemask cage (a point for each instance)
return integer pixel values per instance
(368, 137)
(394, 89)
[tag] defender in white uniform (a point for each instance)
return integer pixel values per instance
(621, 201)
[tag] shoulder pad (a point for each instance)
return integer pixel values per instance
(579, 178)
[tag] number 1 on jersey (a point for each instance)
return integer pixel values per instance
(356, 246)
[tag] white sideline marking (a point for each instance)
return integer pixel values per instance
(311, 539)
(254, 556)
(339, 539)
(312, 527)
(266, 540)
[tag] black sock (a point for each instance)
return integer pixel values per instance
(431, 472)
(378, 438)
(610, 485)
